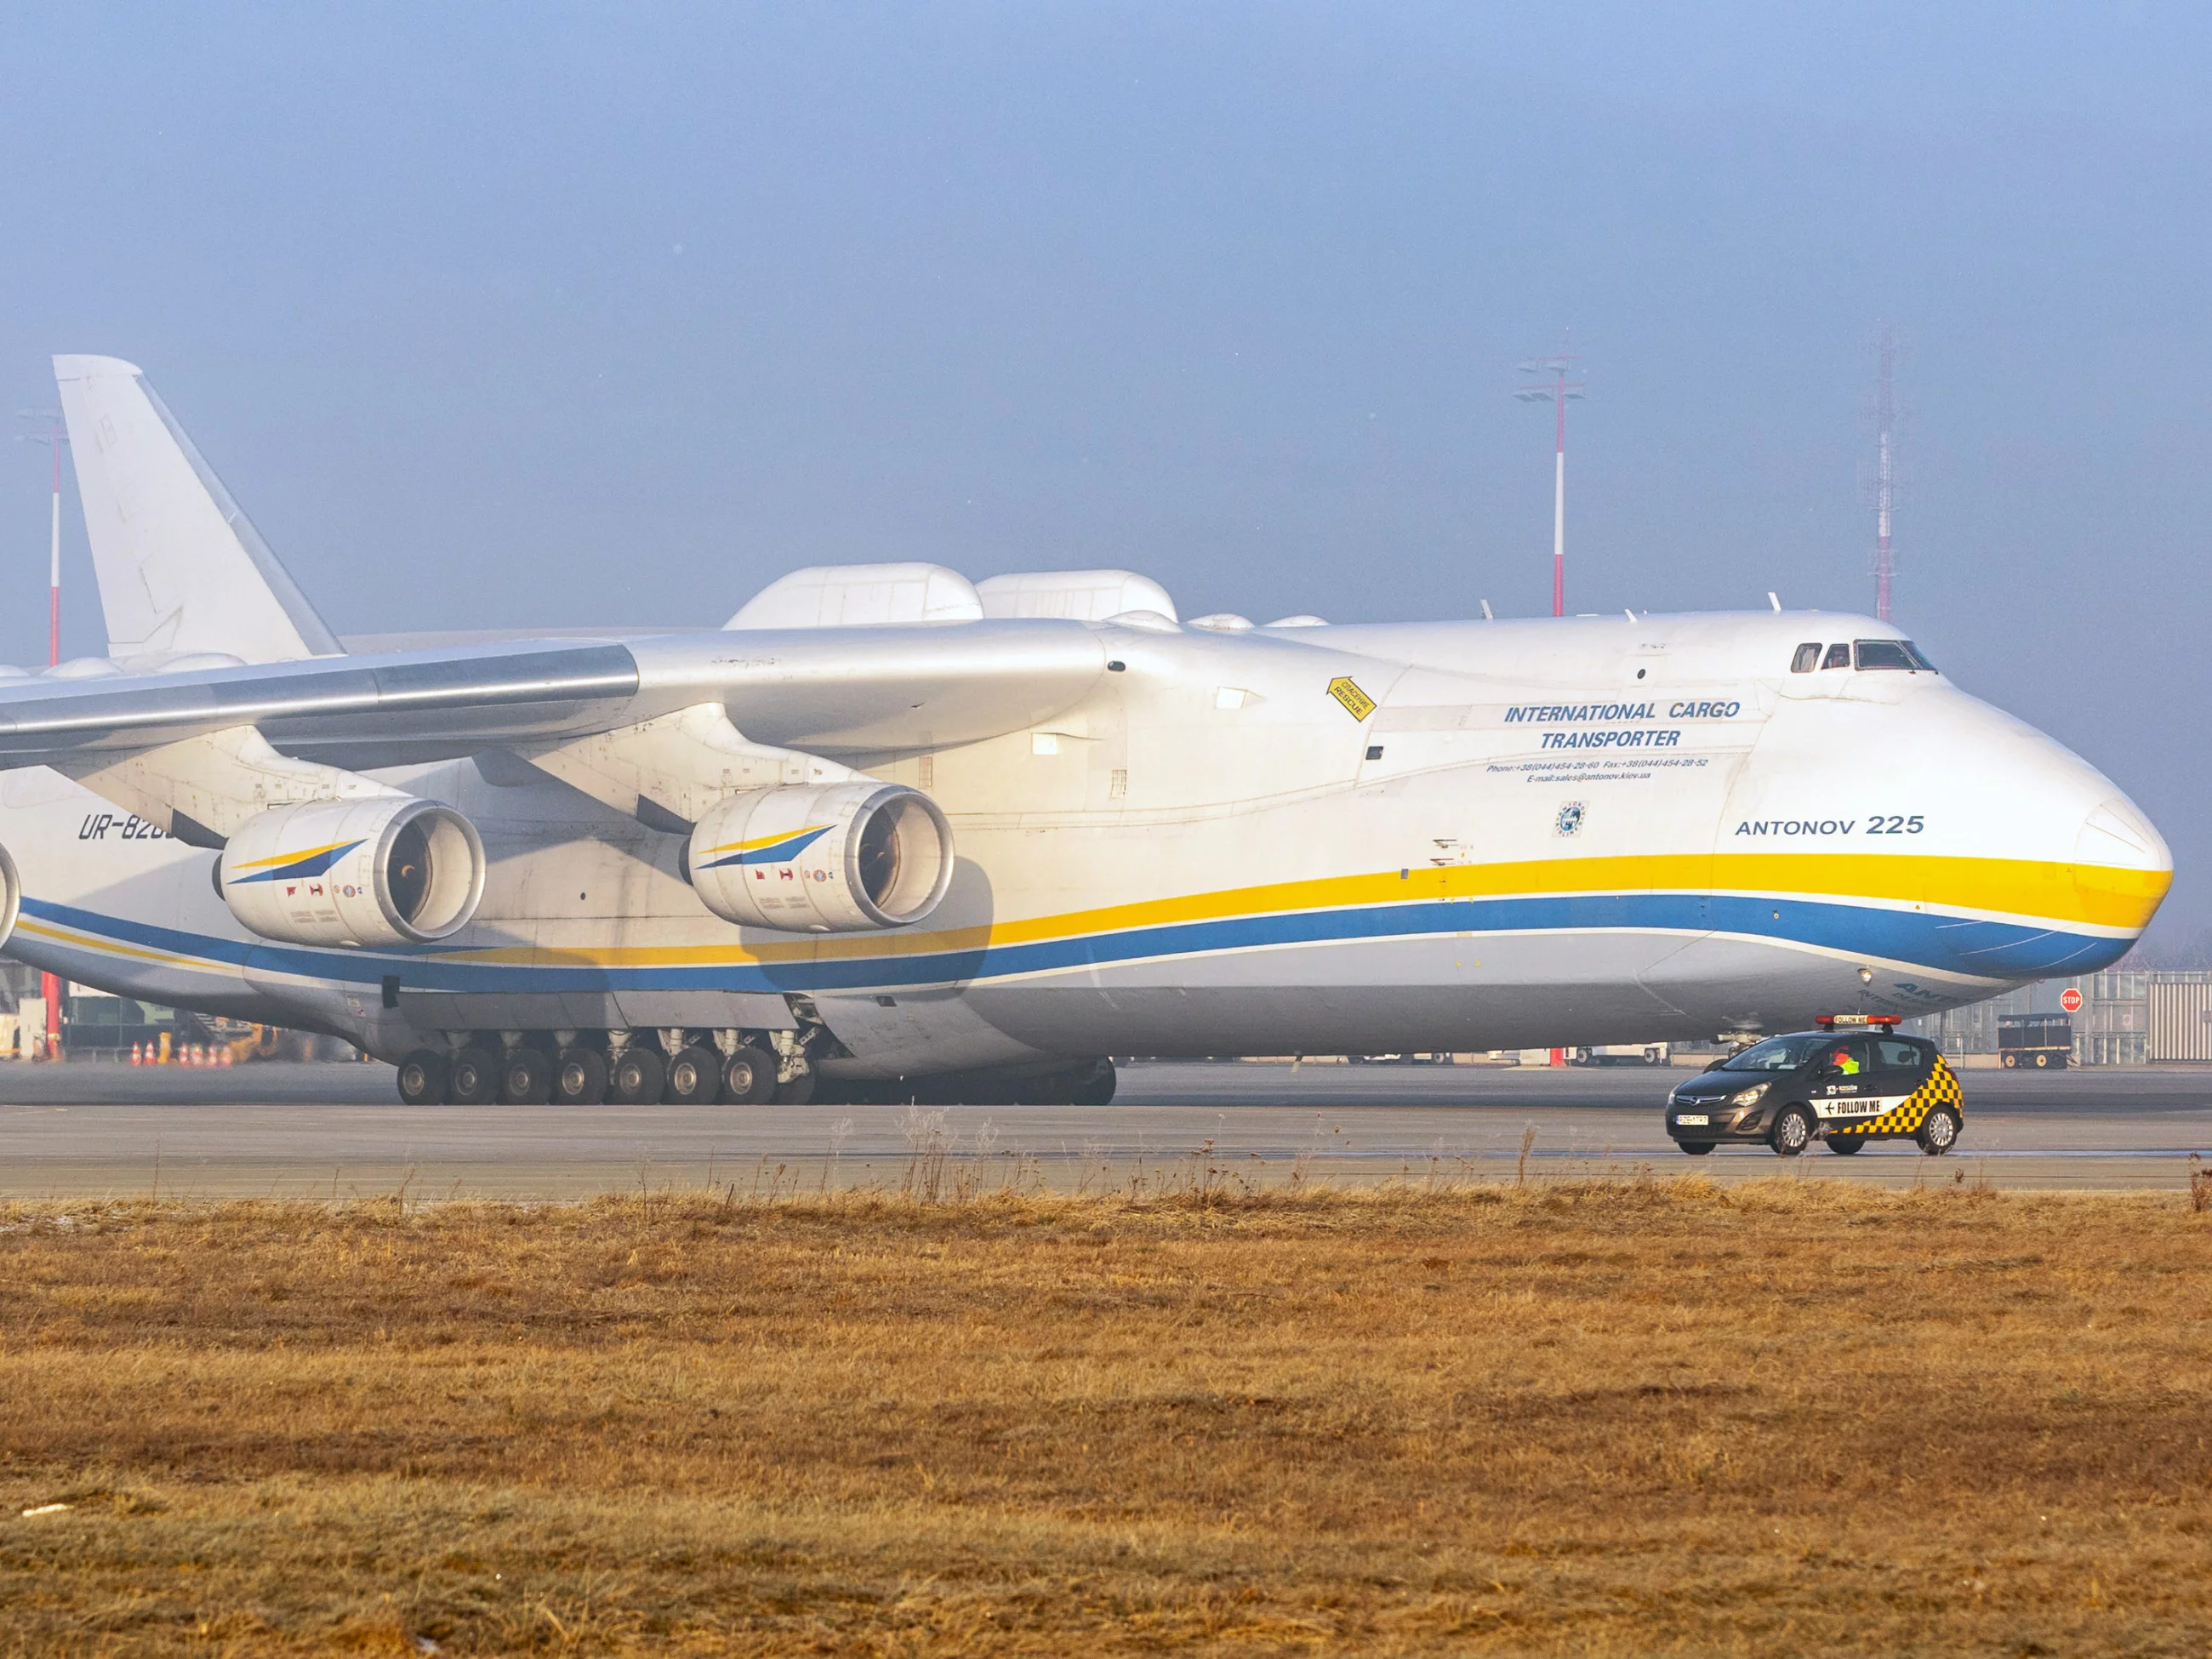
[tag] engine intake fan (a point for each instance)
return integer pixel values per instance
(386, 870)
(823, 858)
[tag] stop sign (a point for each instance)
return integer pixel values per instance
(2070, 1001)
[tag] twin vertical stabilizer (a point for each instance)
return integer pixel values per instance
(182, 570)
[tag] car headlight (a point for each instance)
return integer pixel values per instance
(1750, 1096)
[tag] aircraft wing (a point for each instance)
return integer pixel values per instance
(826, 691)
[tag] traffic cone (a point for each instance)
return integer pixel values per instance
(222, 1055)
(137, 1054)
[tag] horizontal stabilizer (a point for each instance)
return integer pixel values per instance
(182, 570)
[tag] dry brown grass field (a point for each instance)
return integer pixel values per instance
(1627, 1417)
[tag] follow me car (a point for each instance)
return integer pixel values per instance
(1853, 1081)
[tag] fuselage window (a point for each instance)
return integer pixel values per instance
(1807, 660)
(1839, 656)
(1892, 653)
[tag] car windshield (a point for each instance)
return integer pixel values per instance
(1782, 1053)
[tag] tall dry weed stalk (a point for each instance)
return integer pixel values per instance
(2200, 1185)
(1528, 1145)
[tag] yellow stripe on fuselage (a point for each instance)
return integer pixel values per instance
(2099, 896)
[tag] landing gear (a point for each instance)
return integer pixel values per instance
(1845, 1145)
(526, 1077)
(473, 1079)
(796, 1091)
(1696, 1148)
(422, 1077)
(579, 1078)
(695, 1077)
(636, 1078)
(749, 1078)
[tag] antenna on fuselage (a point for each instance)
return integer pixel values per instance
(1774, 602)
(1486, 616)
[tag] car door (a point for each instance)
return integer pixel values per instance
(1900, 1068)
(1843, 1076)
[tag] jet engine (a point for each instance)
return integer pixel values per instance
(11, 896)
(382, 870)
(824, 858)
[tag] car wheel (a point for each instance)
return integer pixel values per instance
(1696, 1148)
(422, 1077)
(1939, 1131)
(526, 1077)
(695, 1077)
(1845, 1145)
(473, 1079)
(749, 1078)
(636, 1077)
(1792, 1131)
(580, 1077)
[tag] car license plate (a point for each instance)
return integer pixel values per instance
(1687, 1118)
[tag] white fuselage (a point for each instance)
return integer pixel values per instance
(1326, 839)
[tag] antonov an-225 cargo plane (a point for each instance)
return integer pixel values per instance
(887, 834)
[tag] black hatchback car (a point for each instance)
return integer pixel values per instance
(1852, 1082)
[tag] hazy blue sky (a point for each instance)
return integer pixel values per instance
(507, 315)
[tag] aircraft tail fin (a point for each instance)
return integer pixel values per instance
(182, 570)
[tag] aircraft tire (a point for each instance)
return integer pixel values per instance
(580, 1077)
(1095, 1087)
(474, 1077)
(1939, 1131)
(1696, 1148)
(798, 1091)
(1845, 1146)
(695, 1077)
(636, 1077)
(749, 1078)
(526, 1077)
(1792, 1131)
(422, 1077)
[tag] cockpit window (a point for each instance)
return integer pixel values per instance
(1893, 653)
(1807, 660)
(1839, 655)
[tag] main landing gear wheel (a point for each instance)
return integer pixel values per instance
(1695, 1148)
(695, 1077)
(1792, 1131)
(526, 1077)
(580, 1077)
(473, 1079)
(1939, 1131)
(798, 1091)
(749, 1078)
(636, 1077)
(1845, 1145)
(422, 1077)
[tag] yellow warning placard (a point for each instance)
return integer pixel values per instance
(1356, 704)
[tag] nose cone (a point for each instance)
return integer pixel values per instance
(2121, 868)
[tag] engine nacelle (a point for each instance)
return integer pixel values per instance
(823, 858)
(384, 870)
(11, 896)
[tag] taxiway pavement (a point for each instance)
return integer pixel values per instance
(280, 1131)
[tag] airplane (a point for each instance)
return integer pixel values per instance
(888, 834)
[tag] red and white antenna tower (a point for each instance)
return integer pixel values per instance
(1555, 388)
(1885, 476)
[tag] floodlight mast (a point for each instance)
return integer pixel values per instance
(54, 435)
(1556, 389)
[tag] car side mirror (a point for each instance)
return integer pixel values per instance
(1715, 1064)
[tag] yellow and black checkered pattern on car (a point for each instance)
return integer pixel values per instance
(1906, 1118)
